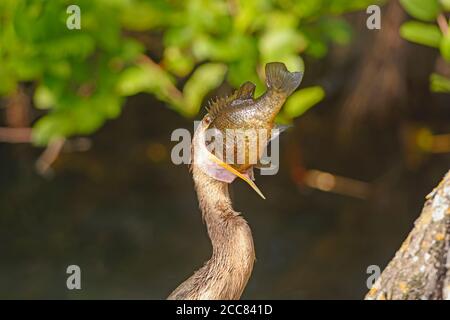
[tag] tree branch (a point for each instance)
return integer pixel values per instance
(15, 135)
(421, 267)
(442, 23)
(50, 154)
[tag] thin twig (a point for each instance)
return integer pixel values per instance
(443, 24)
(177, 95)
(15, 135)
(50, 154)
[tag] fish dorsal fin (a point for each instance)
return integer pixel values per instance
(216, 106)
(246, 91)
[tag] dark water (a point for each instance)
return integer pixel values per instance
(128, 217)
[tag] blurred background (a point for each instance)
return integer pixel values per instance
(86, 117)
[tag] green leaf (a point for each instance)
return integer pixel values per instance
(134, 80)
(224, 49)
(47, 128)
(142, 16)
(284, 41)
(303, 100)
(244, 69)
(344, 6)
(178, 62)
(426, 10)
(205, 78)
(81, 118)
(337, 30)
(149, 77)
(445, 4)
(247, 14)
(421, 33)
(317, 48)
(7, 80)
(445, 47)
(43, 97)
(439, 83)
(307, 8)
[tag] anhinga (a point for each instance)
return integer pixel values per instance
(226, 274)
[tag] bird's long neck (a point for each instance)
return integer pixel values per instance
(225, 275)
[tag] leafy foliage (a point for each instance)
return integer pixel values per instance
(422, 10)
(301, 101)
(429, 34)
(421, 33)
(81, 77)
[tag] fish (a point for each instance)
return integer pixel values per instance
(254, 118)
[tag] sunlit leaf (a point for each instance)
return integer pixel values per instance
(250, 14)
(337, 30)
(439, 83)
(281, 42)
(302, 100)
(244, 69)
(7, 80)
(43, 97)
(178, 62)
(424, 139)
(134, 80)
(426, 10)
(149, 77)
(445, 47)
(307, 8)
(317, 49)
(141, 16)
(445, 4)
(49, 127)
(421, 33)
(342, 6)
(205, 78)
(83, 118)
(227, 49)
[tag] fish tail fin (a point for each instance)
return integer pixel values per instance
(280, 79)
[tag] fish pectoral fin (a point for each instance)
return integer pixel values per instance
(237, 173)
(246, 91)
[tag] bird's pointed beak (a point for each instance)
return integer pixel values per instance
(236, 173)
